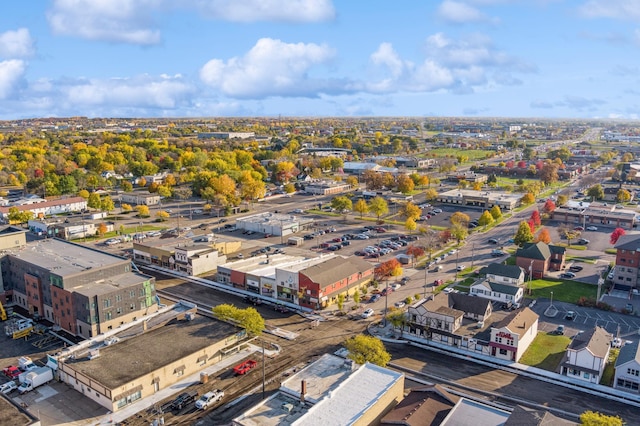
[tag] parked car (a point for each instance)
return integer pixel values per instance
(11, 372)
(592, 228)
(438, 282)
(209, 398)
(460, 268)
(570, 315)
(367, 313)
(374, 298)
(183, 400)
(559, 331)
(448, 290)
(7, 388)
(396, 286)
(583, 241)
(567, 275)
(245, 367)
(575, 268)
(578, 228)
(493, 241)
(399, 304)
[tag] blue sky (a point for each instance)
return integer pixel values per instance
(204, 58)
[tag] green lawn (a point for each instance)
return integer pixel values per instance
(563, 291)
(472, 154)
(609, 369)
(546, 351)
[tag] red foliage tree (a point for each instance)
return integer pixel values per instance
(522, 164)
(445, 235)
(385, 269)
(535, 218)
(509, 164)
(544, 236)
(532, 225)
(549, 206)
(615, 235)
(415, 251)
(539, 164)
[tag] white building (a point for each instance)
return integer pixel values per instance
(587, 355)
(511, 337)
(627, 376)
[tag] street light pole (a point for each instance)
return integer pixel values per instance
(473, 250)
(551, 304)
(426, 273)
(530, 275)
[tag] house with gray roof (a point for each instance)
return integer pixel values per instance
(504, 274)
(587, 355)
(539, 258)
(475, 308)
(627, 375)
(524, 416)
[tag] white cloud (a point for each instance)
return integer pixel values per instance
(271, 68)
(120, 21)
(268, 10)
(11, 73)
(144, 91)
(625, 10)
(16, 44)
(455, 65)
(456, 12)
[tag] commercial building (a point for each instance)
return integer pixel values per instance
(597, 214)
(511, 337)
(330, 391)
(627, 265)
(539, 258)
(274, 223)
(48, 207)
(82, 290)
(326, 187)
(140, 198)
(184, 255)
(480, 199)
(148, 357)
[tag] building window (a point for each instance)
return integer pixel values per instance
(586, 375)
(503, 351)
(633, 372)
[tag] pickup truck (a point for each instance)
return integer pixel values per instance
(245, 367)
(209, 398)
(183, 400)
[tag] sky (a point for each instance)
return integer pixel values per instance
(320, 58)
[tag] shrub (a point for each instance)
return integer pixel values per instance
(604, 306)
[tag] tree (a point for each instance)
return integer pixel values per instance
(126, 207)
(535, 218)
(107, 204)
(143, 211)
(83, 193)
(549, 206)
(571, 235)
(431, 194)
(410, 225)
(485, 219)
(247, 318)
(142, 182)
(562, 200)
(378, 206)
(361, 207)
(405, 184)
(528, 198)
(340, 301)
(94, 201)
(364, 348)
(596, 192)
(544, 236)
(397, 319)
(102, 229)
(163, 215)
(496, 213)
(593, 418)
(615, 235)
(341, 204)
(459, 232)
(459, 218)
(549, 173)
(353, 181)
(523, 235)
(356, 297)
(623, 196)
(411, 211)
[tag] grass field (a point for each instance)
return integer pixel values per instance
(563, 291)
(472, 154)
(546, 351)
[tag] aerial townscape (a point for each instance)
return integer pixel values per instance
(316, 213)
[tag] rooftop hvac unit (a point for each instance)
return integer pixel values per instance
(190, 316)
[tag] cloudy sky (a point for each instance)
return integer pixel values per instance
(203, 58)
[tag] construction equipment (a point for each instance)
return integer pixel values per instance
(22, 333)
(3, 313)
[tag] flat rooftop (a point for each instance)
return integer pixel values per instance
(491, 195)
(467, 412)
(65, 258)
(133, 357)
(258, 265)
(111, 284)
(270, 219)
(10, 415)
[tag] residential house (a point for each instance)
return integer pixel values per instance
(504, 274)
(433, 318)
(511, 337)
(627, 262)
(47, 208)
(475, 308)
(540, 258)
(524, 416)
(627, 375)
(587, 355)
(502, 293)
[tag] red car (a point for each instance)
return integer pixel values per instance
(578, 228)
(245, 367)
(438, 282)
(11, 372)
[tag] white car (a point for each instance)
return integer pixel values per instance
(396, 286)
(400, 304)
(448, 290)
(367, 313)
(592, 228)
(460, 268)
(8, 387)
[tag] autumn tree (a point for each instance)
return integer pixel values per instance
(363, 348)
(431, 194)
(415, 251)
(460, 219)
(378, 206)
(411, 211)
(549, 206)
(571, 235)
(126, 207)
(543, 236)
(459, 232)
(562, 200)
(410, 225)
(596, 192)
(485, 219)
(107, 204)
(361, 207)
(549, 173)
(405, 184)
(623, 196)
(496, 213)
(615, 235)
(528, 198)
(535, 218)
(84, 194)
(523, 235)
(163, 215)
(102, 229)
(593, 418)
(248, 318)
(94, 201)
(143, 211)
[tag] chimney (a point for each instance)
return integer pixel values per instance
(144, 326)
(303, 390)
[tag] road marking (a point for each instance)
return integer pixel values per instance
(624, 322)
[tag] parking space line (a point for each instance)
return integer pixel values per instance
(623, 321)
(599, 316)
